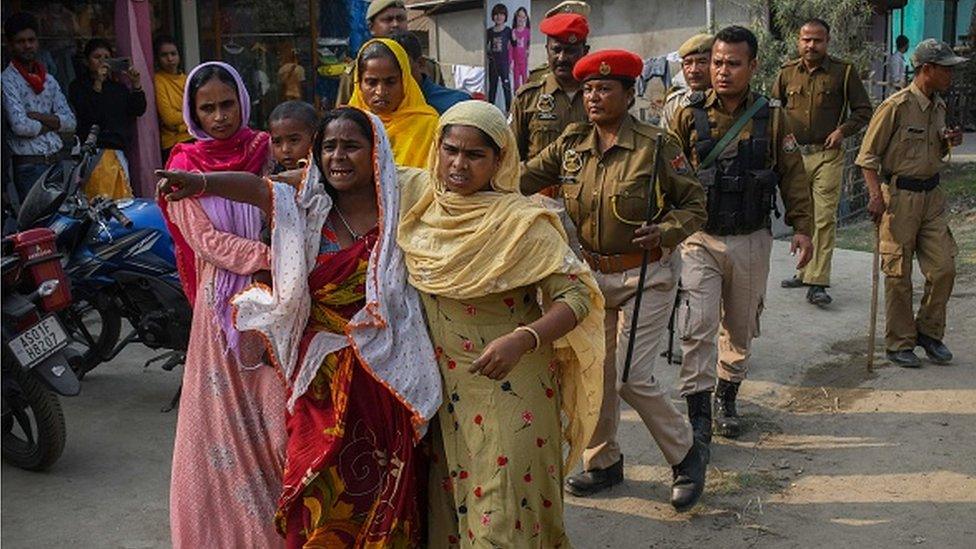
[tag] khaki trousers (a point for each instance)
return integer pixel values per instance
(670, 429)
(724, 280)
(915, 223)
(826, 170)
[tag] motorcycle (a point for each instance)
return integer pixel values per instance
(121, 263)
(35, 364)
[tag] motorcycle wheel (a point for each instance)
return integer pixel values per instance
(33, 422)
(94, 329)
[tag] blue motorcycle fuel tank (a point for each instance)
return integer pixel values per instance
(145, 247)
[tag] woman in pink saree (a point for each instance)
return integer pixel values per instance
(230, 434)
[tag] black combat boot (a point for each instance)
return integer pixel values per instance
(689, 477)
(726, 422)
(700, 415)
(595, 480)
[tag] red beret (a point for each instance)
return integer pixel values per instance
(566, 27)
(616, 64)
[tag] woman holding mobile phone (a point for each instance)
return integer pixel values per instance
(98, 96)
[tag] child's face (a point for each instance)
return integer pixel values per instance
(499, 18)
(520, 19)
(291, 141)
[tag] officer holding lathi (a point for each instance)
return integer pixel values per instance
(901, 157)
(742, 153)
(606, 170)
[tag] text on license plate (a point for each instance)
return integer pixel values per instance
(39, 342)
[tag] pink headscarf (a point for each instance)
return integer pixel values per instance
(247, 151)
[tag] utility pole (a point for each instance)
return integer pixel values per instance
(710, 15)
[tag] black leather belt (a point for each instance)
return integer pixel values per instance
(917, 185)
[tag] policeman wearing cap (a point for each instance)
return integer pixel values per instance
(901, 156)
(823, 101)
(544, 108)
(568, 6)
(384, 18)
(696, 55)
(606, 170)
(741, 152)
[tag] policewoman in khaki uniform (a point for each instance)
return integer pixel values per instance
(901, 157)
(741, 152)
(817, 92)
(605, 167)
(696, 57)
(385, 18)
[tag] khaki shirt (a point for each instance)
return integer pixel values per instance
(905, 136)
(674, 101)
(794, 185)
(540, 112)
(814, 101)
(606, 194)
(431, 68)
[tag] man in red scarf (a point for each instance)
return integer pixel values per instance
(33, 104)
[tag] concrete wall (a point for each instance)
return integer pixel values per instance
(646, 27)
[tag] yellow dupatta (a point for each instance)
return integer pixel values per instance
(465, 247)
(411, 126)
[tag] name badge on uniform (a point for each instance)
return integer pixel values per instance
(572, 164)
(545, 105)
(789, 144)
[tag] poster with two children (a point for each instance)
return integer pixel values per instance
(507, 37)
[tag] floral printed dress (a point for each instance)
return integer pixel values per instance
(496, 477)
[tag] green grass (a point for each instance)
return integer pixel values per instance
(959, 184)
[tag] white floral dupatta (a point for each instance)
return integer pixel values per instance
(389, 334)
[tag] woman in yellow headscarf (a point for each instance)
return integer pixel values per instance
(386, 88)
(480, 253)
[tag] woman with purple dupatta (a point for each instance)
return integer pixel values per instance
(230, 436)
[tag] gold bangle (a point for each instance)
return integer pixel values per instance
(535, 335)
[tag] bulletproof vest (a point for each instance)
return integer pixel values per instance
(741, 191)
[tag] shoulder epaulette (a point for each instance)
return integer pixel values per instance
(530, 85)
(647, 130)
(791, 63)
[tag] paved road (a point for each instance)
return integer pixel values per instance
(889, 462)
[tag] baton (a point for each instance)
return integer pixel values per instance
(651, 197)
(873, 321)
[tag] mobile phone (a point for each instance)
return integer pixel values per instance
(118, 64)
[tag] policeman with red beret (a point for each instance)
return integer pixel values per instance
(544, 107)
(605, 167)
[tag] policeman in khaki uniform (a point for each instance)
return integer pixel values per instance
(901, 157)
(606, 170)
(568, 6)
(741, 152)
(385, 18)
(816, 91)
(543, 108)
(696, 56)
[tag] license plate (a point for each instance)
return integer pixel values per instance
(39, 342)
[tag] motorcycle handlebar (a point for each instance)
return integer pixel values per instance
(117, 214)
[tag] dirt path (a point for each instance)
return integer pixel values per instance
(833, 457)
